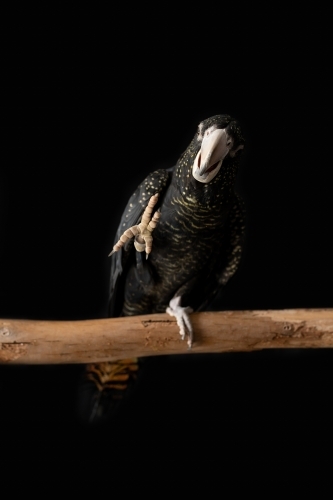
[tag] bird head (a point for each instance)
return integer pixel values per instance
(217, 138)
(212, 158)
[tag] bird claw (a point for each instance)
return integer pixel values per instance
(183, 320)
(143, 231)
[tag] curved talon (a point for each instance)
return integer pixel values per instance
(141, 232)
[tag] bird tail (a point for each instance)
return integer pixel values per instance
(104, 388)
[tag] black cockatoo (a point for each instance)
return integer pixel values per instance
(179, 239)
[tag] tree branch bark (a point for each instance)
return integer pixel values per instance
(91, 341)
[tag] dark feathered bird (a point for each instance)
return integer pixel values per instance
(196, 243)
(197, 230)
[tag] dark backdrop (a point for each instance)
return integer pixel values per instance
(86, 120)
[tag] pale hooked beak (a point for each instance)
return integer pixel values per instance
(214, 148)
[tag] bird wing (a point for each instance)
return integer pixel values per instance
(156, 182)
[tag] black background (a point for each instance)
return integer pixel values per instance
(88, 115)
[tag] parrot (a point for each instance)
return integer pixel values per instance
(179, 241)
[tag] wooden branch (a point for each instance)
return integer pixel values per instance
(29, 341)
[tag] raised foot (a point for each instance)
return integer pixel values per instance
(183, 319)
(143, 231)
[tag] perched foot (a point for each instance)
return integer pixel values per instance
(141, 232)
(183, 320)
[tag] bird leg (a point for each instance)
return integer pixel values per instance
(141, 232)
(183, 320)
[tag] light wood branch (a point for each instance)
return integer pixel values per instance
(45, 342)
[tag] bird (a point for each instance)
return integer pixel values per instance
(179, 241)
